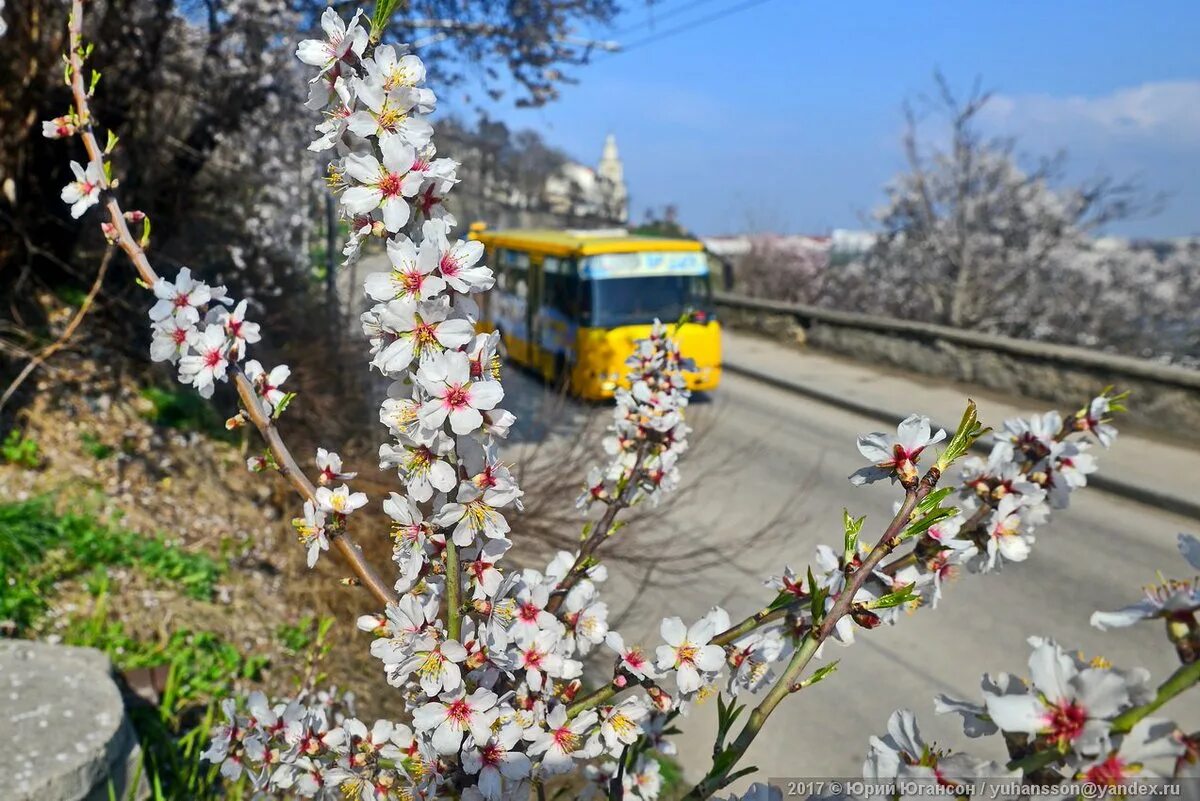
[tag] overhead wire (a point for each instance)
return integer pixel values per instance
(690, 25)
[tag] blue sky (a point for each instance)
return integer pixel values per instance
(787, 115)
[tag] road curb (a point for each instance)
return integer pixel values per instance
(1134, 492)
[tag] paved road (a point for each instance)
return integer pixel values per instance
(766, 458)
(762, 455)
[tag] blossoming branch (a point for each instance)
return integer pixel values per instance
(488, 664)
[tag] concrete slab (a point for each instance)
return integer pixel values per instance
(65, 731)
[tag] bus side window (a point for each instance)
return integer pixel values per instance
(513, 275)
(562, 286)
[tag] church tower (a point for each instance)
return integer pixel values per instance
(611, 173)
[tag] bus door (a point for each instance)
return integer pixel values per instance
(534, 312)
(508, 306)
(558, 322)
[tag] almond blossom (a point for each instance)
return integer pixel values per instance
(181, 299)
(1070, 706)
(340, 40)
(688, 653)
(410, 330)
(563, 742)
(495, 759)
(896, 457)
(267, 384)
(384, 186)
(455, 262)
(453, 395)
(329, 465)
(410, 277)
(207, 365)
(340, 501)
(84, 192)
(454, 715)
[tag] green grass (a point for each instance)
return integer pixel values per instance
(184, 409)
(94, 447)
(19, 450)
(39, 548)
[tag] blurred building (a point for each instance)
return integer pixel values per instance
(517, 181)
(583, 195)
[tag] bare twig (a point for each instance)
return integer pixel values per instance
(59, 343)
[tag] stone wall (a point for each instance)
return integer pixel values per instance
(1162, 396)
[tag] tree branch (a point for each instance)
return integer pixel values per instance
(287, 464)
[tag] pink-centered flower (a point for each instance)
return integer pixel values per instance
(340, 40)
(1069, 707)
(209, 360)
(329, 463)
(84, 192)
(409, 278)
(453, 395)
(564, 742)
(181, 299)
(896, 456)
(496, 759)
(385, 186)
(267, 384)
(689, 653)
(58, 128)
(456, 262)
(454, 715)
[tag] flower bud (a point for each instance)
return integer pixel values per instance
(476, 660)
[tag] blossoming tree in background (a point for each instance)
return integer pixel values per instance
(489, 665)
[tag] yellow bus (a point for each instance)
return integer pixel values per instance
(570, 304)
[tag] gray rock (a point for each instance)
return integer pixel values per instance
(63, 730)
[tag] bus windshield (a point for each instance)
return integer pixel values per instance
(610, 302)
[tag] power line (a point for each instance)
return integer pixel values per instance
(687, 26)
(659, 17)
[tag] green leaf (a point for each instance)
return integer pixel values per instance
(820, 674)
(852, 528)
(920, 526)
(782, 601)
(723, 761)
(896, 598)
(381, 16)
(816, 602)
(969, 430)
(933, 500)
(281, 407)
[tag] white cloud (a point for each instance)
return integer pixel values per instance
(1165, 113)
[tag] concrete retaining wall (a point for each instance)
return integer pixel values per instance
(1163, 396)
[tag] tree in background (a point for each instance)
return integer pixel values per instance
(196, 88)
(463, 41)
(664, 222)
(785, 268)
(972, 225)
(972, 239)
